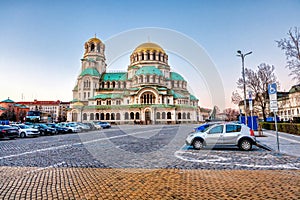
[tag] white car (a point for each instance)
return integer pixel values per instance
(27, 131)
(71, 127)
(223, 134)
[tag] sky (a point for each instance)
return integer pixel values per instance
(42, 42)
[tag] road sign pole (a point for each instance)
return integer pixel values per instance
(275, 113)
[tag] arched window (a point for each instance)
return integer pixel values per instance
(163, 115)
(189, 115)
(118, 116)
(169, 115)
(92, 47)
(97, 116)
(84, 116)
(147, 98)
(92, 116)
(158, 115)
(126, 115)
(113, 84)
(131, 115)
(179, 115)
(112, 116)
(107, 116)
(108, 84)
(102, 116)
(102, 84)
(184, 116)
(147, 79)
(137, 115)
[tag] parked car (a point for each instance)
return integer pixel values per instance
(72, 128)
(104, 124)
(59, 129)
(91, 125)
(44, 129)
(27, 131)
(204, 126)
(223, 134)
(8, 132)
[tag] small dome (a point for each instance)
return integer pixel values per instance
(94, 40)
(148, 46)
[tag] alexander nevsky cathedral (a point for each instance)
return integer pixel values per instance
(148, 93)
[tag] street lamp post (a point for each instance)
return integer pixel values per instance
(240, 54)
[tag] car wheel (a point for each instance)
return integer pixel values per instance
(245, 145)
(22, 135)
(198, 144)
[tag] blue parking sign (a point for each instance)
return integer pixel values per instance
(272, 88)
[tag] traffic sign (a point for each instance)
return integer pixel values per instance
(272, 88)
(273, 106)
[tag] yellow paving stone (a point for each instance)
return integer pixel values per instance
(97, 183)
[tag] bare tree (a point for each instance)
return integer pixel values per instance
(257, 82)
(231, 114)
(291, 47)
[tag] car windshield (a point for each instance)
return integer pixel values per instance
(24, 126)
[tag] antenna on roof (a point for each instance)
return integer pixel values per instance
(95, 35)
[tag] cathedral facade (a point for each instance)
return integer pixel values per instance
(149, 92)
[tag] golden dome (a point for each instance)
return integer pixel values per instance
(148, 46)
(94, 40)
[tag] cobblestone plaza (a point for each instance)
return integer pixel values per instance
(141, 162)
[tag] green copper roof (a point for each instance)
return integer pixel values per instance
(295, 88)
(90, 71)
(1, 108)
(162, 89)
(74, 100)
(108, 96)
(178, 96)
(193, 98)
(148, 70)
(8, 101)
(177, 77)
(120, 76)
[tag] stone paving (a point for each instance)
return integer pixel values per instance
(149, 162)
(99, 183)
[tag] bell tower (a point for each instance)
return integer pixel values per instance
(94, 55)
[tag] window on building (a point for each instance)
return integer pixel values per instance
(189, 115)
(126, 116)
(131, 115)
(137, 115)
(107, 116)
(158, 115)
(84, 116)
(108, 102)
(102, 116)
(112, 116)
(97, 116)
(163, 115)
(92, 116)
(118, 116)
(179, 115)
(169, 115)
